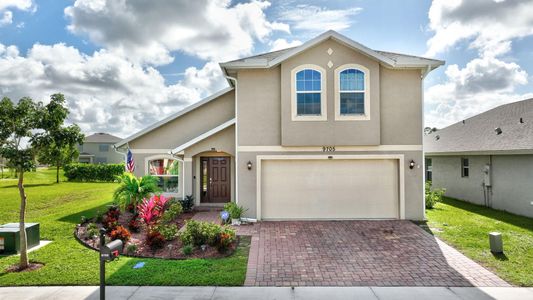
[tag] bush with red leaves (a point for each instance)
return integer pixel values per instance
(155, 240)
(134, 224)
(120, 233)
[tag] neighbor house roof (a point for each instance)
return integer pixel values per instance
(101, 137)
(506, 128)
(173, 116)
(388, 59)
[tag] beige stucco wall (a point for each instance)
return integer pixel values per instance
(401, 107)
(190, 125)
(330, 132)
(511, 175)
(111, 156)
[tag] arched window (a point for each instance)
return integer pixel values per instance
(168, 172)
(308, 93)
(352, 99)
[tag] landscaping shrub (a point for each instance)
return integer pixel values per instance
(132, 189)
(110, 218)
(168, 231)
(188, 203)
(92, 231)
(150, 210)
(120, 233)
(155, 240)
(187, 250)
(93, 172)
(172, 212)
(134, 224)
(433, 195)
(200, 233)
(235, 211)
(131, 248)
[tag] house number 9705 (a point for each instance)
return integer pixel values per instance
(328, 148)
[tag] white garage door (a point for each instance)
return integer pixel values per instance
(330, 189)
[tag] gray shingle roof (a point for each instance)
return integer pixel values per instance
(102, 137)
(269, 56)
(478, 133)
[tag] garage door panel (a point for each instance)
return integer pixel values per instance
(329, 189)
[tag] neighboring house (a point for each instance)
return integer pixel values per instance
(486, 159)
(98, 149)
(325, 130)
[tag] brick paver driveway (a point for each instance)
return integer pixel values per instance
(356, 253)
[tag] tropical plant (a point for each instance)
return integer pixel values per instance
(132, 189)
(150, 210)
(92, 231)
(187, 250)
(131, 248)
(188, 203)
(23, 127)
(120, 233)
(235, 211)
(199, 233)
(433, 195)
(226, 237)
(134, 224)
(169, 231)
(155, 240)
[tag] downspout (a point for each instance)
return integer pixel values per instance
(236, 141)
(422, 77)
(125, 154)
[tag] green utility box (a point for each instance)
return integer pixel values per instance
(10, 237)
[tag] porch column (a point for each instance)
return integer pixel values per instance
(187, 176)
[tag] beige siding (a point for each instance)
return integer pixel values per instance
(401, 107)
(189, 126)
(259, 107)
(223, 141)
(330, 132)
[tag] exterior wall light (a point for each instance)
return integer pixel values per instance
(249, 165)
(411, 164)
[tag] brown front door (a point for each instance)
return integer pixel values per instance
(215, 184)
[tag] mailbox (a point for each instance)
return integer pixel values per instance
(111, 251)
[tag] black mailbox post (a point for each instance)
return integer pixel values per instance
(108, 252)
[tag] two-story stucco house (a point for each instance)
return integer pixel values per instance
(98, 148)
(327, 130)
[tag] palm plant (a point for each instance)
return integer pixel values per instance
(133, 189)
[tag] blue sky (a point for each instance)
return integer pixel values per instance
(124, 65)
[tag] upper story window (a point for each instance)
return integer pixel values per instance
(352, 101)
(308, 93)
(103, 147)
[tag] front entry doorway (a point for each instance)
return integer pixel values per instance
(215, 180)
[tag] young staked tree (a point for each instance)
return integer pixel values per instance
(23, 126)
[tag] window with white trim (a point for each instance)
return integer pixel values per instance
(167, 170)
(465, 167)
(352, 100)
(308, 93)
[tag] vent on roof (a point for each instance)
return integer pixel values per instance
(463, 121)
(498, 130)
(437, 137)
(521, 120)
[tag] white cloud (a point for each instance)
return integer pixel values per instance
(488, 80)
(6, 16)
(105, 92)
(318, 19)
(148, 31)
(491, 25)
(283, 44)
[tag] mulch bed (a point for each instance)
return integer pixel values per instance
(31, 267)
(171, 249)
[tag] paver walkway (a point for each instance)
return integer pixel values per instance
(355, 253)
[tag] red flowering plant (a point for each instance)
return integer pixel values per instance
(110, 219)
(150, 210)
(120, 233)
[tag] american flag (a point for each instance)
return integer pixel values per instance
(130, 163)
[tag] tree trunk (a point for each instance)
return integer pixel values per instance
(23, 242)
(57, 174)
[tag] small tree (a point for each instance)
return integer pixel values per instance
(58, 147)
(22, 127)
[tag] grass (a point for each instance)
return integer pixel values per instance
(59, 207)
(466, 227)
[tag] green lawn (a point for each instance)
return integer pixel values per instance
(466, 226)
(58, 208)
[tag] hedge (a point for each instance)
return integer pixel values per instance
(93, 172)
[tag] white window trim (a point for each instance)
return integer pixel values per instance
(181, 185)
(323, 100)
(355, 117)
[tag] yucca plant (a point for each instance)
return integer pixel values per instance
(133, 189)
